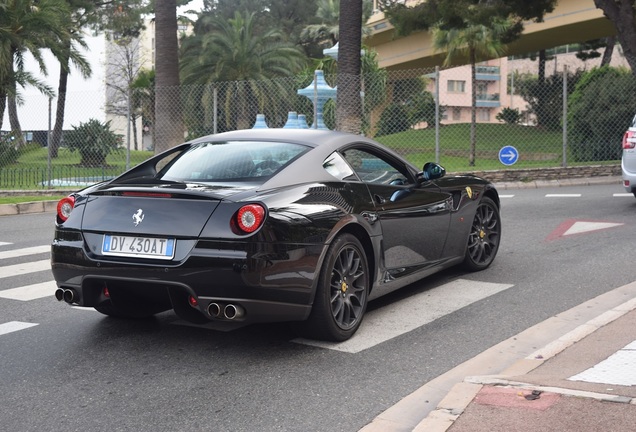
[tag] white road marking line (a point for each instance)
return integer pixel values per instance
(5, 243)
(617, 369)
(563, 195)
(393, 320)
(13, 326)
(624, 195)
(26, 251)
(506, 196)
(24, 268)
(30, 292)
(582, 226)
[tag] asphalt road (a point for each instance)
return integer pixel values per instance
(78, 370)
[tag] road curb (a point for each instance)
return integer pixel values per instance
(28, 208)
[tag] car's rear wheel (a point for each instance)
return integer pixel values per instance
(484, 236)
(342, 293)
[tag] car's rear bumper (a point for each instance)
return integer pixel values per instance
(266, 282)
(628, 168)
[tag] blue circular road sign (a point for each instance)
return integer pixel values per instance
(508, 155)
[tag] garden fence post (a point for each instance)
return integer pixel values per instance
(437, 114)
(128, 120)
(48, 146)
(565, 116)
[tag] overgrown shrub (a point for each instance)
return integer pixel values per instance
(600, 111)
(545, 100)
(94, 141)
(509, 116)
(8, 152)
(393, 119)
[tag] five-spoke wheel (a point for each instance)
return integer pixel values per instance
(484, 236)
(342, 292)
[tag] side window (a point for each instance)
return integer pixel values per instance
(337, 167)
(373, 169)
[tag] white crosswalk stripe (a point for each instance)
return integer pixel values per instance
(13, 326)
(24, 268)
(24, 252)
(393, 320)
(30, 292)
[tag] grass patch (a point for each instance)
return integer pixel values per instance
(29, 198)
(537, 148)
(31, 170)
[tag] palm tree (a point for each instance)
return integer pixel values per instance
(143, 93)
(168, 122)
(348, 107)
(27, 26)
(329, 15)
(67, 54)
(234, 53)
(476, 42)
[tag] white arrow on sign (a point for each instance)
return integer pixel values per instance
(510, 156)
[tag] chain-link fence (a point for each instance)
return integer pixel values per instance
(516, 120)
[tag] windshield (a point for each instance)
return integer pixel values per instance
(237, 161)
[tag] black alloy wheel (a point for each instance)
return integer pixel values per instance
(342, 292)
(484, 236)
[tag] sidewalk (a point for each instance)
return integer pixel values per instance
(583, 381)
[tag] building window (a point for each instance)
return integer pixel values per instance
(457, 114)
(483, 115)
(454, 86)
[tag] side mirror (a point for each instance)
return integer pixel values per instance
(432, 171)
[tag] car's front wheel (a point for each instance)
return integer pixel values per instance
(484, 236)
(342, 292)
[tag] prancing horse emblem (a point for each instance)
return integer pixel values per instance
(138, 217)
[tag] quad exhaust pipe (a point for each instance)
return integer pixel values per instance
(229, 311)
(68, 295)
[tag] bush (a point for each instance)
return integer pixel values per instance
(600, 111)
(8, 152)
(509, 116)
(94, 141)
(394, 119)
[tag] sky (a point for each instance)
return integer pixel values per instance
(85, 97)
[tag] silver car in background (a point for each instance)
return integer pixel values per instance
(628, 160)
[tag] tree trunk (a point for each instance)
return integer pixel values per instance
(542, 93)
(3, 106)
(621, 14)
(168, 124)
(56, 134)
(473, 108)
(133, 125)
(348, 101)
(14, 122)
(610, 42)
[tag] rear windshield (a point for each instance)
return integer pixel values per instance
(231, 161)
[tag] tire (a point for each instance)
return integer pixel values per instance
(342, 293)
(484, 237)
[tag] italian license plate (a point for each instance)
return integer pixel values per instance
(139, 247)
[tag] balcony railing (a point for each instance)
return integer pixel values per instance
(488, 100)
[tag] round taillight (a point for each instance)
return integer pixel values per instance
(250, 217)
(65, 207)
